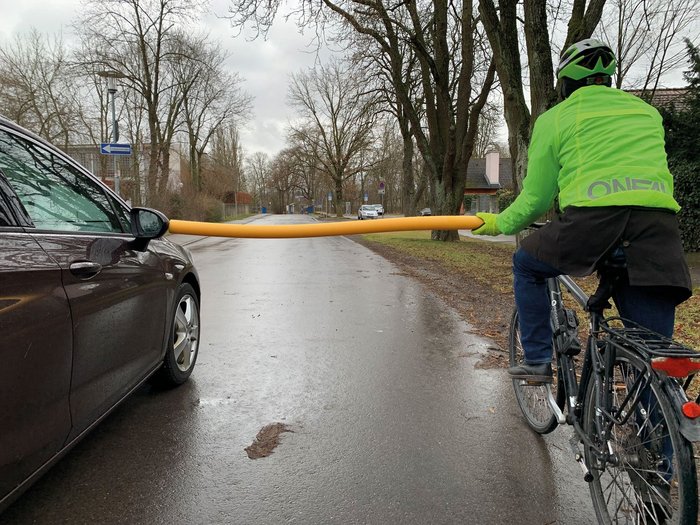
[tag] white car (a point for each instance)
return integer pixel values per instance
(380, 209)
(367, 211)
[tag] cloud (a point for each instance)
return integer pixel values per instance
(266, 65)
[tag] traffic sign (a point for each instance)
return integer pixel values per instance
(381, 188)
(115, 149)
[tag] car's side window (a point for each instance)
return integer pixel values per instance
(55, 195)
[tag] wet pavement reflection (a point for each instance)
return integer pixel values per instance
(374, 376)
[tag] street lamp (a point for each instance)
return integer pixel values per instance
(112, 77)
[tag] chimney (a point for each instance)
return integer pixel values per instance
(492, 168)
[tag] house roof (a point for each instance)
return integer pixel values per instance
(476, 175)
(663, 97)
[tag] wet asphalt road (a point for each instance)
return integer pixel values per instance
(373, 374)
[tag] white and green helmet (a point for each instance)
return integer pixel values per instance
(586, 58)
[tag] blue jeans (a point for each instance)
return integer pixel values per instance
(641, 304)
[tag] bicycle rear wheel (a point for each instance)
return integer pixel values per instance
(650, 477)
(532, 399)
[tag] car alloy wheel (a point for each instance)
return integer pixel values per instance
(186, 332)
(183, 342)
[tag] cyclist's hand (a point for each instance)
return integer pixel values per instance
(489, 227)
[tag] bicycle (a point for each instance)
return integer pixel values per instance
(633, 424)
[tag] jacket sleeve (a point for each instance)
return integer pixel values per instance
(540, 183)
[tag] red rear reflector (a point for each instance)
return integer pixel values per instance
(676, 366)
(691, 410)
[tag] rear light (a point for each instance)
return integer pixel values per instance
(691, 410)
(676, 366)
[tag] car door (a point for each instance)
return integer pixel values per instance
(117, 293)
(35, 352)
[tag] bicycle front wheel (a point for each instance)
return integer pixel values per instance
(532, 399)
(649, 473)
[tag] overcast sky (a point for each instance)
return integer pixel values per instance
(265, 65)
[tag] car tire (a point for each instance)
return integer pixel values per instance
(183, 340)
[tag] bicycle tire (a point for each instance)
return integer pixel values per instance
(532, 400)
(639, 487)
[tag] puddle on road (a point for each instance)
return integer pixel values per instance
(267, 439)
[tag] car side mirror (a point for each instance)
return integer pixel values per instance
(147, 224)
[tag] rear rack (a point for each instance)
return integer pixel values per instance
(647, 342)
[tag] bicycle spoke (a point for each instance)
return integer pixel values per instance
(532, 399)
(650, 476)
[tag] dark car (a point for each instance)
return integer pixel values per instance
(93, 302)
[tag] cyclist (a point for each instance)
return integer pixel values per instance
(600, 152)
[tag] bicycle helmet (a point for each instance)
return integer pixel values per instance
(585, 63)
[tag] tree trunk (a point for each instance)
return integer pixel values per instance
(408, 184)
(503, 36)
(539, 55)
(339, 207)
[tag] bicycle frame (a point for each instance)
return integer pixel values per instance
(574, 390)
(598, 367)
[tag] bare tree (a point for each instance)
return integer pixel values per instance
(489, 122)
(226, 161)
(337, 119)
(282, 179)
(138, 40)
(309, 176)
(38, 88)
(258, 168)
(502, 28)
(369, 58)
(648, 36)
(443, 40)
(444, 44)
(211, 97)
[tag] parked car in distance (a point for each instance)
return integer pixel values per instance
(367, 211)
(93, 302)
(380, 209)
(425, 211)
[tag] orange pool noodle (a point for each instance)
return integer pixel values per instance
(323, 229)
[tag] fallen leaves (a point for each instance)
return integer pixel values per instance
(267, 440)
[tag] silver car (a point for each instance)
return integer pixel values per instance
(367, 211)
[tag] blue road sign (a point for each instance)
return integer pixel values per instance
(115, 149)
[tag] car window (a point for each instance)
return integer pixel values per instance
(55, 195)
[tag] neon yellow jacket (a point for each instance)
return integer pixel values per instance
(599, 147)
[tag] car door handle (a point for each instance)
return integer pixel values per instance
(85, 269)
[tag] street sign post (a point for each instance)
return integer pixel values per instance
(115, 149)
